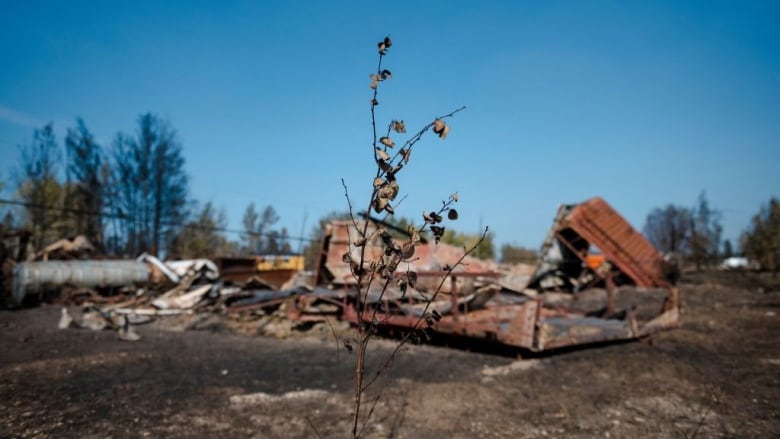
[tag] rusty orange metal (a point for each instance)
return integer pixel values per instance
(624, 280)
(598, 223)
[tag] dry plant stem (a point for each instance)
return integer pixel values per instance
(370, 412)
(389, 359)
(444, 207)
(359, 305)
(336, 338)
(365, 277)
(311, 424)
(409, 144)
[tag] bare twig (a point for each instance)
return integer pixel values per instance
(349, 203)
(389, 359)
(336, 339)
(370, 412)
(311, 424)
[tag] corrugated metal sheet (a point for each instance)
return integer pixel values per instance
(602, 226)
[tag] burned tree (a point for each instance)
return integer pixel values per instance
(761, 241)
(39, 188)
(668, 229)
(85, 194)
(149, 186)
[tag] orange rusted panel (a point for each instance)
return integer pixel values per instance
(621, 244)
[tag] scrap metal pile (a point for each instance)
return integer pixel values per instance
(597, 279)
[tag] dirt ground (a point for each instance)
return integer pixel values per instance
(716, 376)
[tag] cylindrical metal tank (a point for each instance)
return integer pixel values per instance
(35, 277)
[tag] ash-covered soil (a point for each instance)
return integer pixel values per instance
(716, 376)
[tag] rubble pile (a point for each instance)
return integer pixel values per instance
(596, 279)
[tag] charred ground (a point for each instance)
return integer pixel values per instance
(716, 376)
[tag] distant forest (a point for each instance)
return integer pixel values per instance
(129, 197)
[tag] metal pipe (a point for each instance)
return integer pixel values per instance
(36, 277)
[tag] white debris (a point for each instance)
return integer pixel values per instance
(514, 366)
(65, 320)
(127, 334)
(267, 398)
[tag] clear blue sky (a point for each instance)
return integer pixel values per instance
(643, 103)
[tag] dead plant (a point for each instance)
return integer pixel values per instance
(391, 269)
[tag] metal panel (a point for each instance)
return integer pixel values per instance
(522, 327)
(602, 226)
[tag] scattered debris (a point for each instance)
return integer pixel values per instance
(66, 249)
(597, 280)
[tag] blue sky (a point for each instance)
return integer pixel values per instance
(642, 103)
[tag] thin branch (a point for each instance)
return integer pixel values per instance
(349, 203)
(389, 359)
(311, 424)
(370, 412)
(336, 339)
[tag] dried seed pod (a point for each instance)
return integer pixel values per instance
(388, 142)
(454, 197)
(441, 128)
(407, 251)
(385, 74)
(382, 154)
(444, 132)
(452, 214)
(384, 45)
(384, 166)
(432, 218)
(411, 277)
(398, 126)
(378, 182)
(415, 236)
(438, 232)
(388, 190)
(379, 204)
(405, 153)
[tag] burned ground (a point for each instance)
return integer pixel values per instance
(716, 376)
